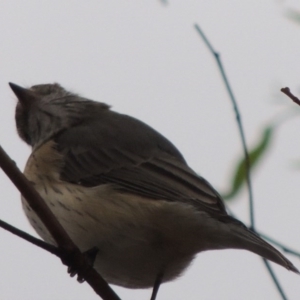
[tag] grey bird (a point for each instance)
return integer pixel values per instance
(116, 184)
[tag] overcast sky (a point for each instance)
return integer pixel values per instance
(146, 60)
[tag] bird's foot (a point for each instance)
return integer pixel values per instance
(156, 285)
(90, 256)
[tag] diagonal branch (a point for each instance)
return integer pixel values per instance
(287, 91)
(31, 239)
(275, 279)
(246, 153)
(238, 118)
(69, 251)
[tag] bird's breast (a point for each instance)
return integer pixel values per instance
(137, 237)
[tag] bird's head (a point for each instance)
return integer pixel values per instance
(46, 109)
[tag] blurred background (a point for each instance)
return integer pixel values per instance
(146, 59)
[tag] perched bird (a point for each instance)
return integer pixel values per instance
(116, 184)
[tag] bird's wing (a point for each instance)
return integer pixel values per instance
(119, 150)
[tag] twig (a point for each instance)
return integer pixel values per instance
(70, 252)
(238, 118)
(243, 139)
(275, 280)
(31, 239)
(287, 91)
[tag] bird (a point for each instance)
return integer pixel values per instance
(116, 184)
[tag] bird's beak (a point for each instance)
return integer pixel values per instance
(25, 96)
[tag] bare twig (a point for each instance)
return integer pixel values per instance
(246, 153)
(70, 253)
(287, 91)
(238, 118)
(31, 239)
(275, 279)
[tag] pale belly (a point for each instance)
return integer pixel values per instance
(137, 238)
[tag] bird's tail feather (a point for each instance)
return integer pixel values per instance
(251, 241)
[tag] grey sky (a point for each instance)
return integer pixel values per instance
(146, 60)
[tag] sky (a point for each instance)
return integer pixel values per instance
(146, 60)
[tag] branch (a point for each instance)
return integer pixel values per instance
(70, 253)
(275, 279)
(246, 153)
(287, 91)
(31, 239)
(238, 118)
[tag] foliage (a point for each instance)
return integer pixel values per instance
(255, 155)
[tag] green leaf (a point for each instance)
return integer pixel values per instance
(295, 164)
(255, 155)
(293, 15)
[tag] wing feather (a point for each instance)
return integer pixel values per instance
(134, 158)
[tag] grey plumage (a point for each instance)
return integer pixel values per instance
(135, 181)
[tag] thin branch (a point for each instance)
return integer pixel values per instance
(275, 280)
(238, 118)
(70, 252)
(243, 139)
(287, 91)
(31, 239)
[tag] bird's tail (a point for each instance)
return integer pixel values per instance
(249, 240)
